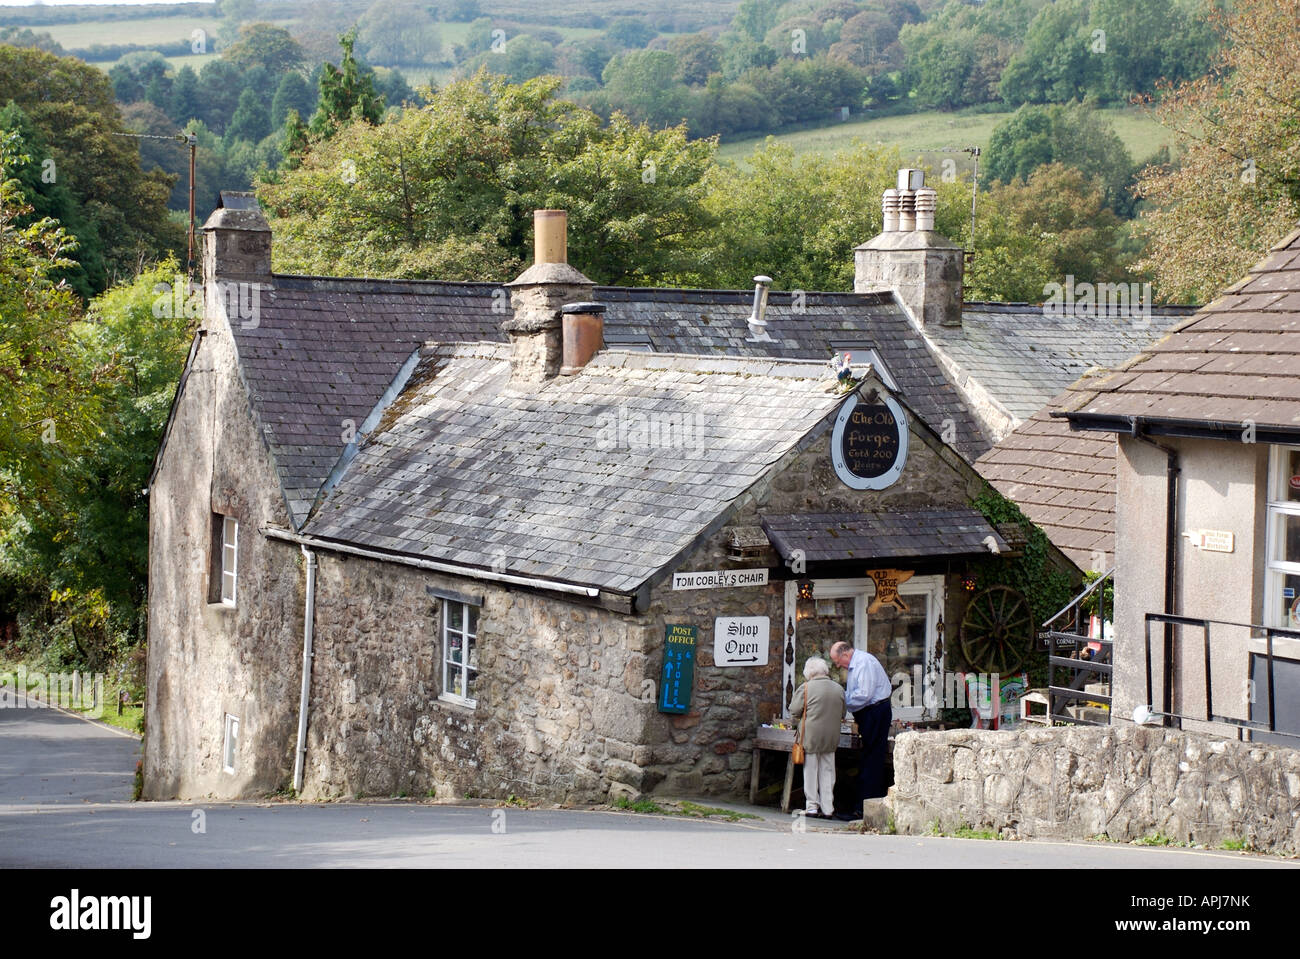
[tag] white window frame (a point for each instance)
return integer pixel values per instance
(229, 743)
(1277, 507)
(469, 663)
(229, 559)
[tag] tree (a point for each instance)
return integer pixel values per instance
(251, 120)
(265, 45)
(523, 57)
(184, 104)
(220, 84)
(293, 93)
(44, 390)
(1040, 231)
(346, 93)
(447, 190)
(697, 57)
(1075, 135)
(642, 84)
(71, 104)
(798, 218)
(399, 32)
(1235, 189)
(755, 17)
(630, 33)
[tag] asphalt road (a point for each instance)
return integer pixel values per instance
(65, 788)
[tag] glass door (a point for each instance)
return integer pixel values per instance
(905, 640)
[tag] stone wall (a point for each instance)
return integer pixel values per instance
(1078, 782)
(207, 659)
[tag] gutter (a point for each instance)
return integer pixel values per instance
(308, 630)
(1136, 429)
(469, 572)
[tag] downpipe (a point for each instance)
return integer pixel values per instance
(308, 623)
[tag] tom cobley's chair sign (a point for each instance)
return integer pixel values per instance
(869, 442)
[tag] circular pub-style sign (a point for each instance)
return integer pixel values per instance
(869, 442)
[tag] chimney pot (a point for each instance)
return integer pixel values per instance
(926, 199)
(583, 334)
(889, 203)
(550, 236)
(906, 211)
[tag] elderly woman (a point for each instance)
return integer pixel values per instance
(819, 731)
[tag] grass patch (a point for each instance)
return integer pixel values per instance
(641, 805)
(1158, 839)
(964, 831)
(928, 132)
(1236, 845)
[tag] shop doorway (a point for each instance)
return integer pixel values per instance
(903, 635)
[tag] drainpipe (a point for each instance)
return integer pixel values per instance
(1172, 471)
(308, 621)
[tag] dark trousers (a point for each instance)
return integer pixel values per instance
(873, 726)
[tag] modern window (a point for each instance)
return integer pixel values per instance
(1282, 590)
(459, 652)
(225, 559)
(230, 743)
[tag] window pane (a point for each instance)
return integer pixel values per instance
(822, 622)
(471, 652)
(1286, 541)
(1285, 611)
(228, 587)
(470, 682)
(457, 681)
(1288, 480)
(473, 619)
(229, 528)
(455, 616)
(897, 639)
(454, 643)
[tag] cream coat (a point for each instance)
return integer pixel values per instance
(825, 712)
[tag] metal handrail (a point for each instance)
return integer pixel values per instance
(1080, 598)
(1210, 716)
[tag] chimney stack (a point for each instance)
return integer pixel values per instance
(537, 297)
(924, 269)
(583, 334)
(236, 258)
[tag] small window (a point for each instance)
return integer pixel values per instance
(1282, 592)
(459, 652)
(225, 559)
(230, 743)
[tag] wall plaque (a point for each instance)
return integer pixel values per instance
(887, 583)
(869, 442)
(678, 674)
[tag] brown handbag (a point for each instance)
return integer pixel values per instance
(796, 751)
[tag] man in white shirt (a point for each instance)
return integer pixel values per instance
(867, 698)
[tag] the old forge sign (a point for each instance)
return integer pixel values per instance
(869, 442)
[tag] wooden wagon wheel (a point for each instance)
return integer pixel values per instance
(997, 630)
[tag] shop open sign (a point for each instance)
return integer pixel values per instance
(740, 640)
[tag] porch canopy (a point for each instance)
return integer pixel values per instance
(884, 535)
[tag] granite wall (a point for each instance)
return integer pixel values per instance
(1125, 782)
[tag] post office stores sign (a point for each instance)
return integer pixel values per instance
(869, 442)
(740, 640)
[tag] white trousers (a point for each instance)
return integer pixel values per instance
(819, 782)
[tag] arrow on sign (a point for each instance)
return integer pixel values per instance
(752, 659)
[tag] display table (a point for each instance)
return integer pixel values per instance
(781, 741)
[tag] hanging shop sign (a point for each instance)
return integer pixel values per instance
(869, 442)
(887, 582)
(720, 578)
(740, 640)
(678, 675)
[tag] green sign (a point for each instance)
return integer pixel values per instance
(678, 674)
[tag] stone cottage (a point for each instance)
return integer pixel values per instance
(431, 538)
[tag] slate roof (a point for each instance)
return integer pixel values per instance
(881, 536)
(1063, 480)
(565, 481)
(1022, 356)
(1235, 360)
(324, 351)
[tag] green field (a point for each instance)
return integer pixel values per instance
(143, 31)
(925, 135)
